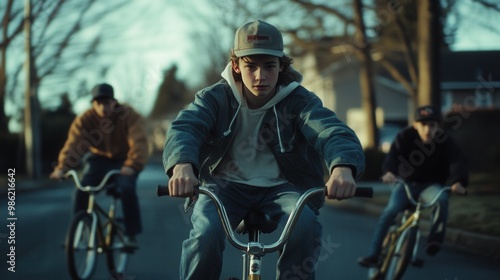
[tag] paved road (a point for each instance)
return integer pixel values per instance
(43, 217)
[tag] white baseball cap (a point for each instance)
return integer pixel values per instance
(258, 37)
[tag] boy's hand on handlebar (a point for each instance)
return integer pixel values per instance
(183, 181)
(458, 188)
(341, 184)
(389, 178)
(57, 174)
(127, 171)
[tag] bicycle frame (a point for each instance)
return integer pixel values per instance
(411, 221)
(254, 251)
(407, 222)
(104, 231)
(97, 211)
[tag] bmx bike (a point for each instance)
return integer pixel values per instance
(400, 246)
(257, 222)
(96, 231)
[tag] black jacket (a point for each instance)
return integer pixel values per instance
(440, 161)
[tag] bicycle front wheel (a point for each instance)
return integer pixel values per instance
(81, 247)
(117, 254)
(403, 254)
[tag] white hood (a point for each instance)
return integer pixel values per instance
(282, 92)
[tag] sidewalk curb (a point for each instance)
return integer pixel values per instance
(471, 242)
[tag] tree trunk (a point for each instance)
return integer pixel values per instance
(3, 67)
(366, 77)
(429, 89)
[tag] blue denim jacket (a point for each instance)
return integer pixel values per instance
(308, 134)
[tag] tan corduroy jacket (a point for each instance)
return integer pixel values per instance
(119, 136)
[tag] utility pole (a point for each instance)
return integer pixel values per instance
(31, 109)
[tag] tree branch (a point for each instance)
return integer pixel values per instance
(324, 8)
(408, 52)
(488, 5)
(396, 74)
(54, 60)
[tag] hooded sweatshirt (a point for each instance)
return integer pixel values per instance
(300, 132)
(249, 159)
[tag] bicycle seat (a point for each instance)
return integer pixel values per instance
(256, 220)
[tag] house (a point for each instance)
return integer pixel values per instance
(470, 80)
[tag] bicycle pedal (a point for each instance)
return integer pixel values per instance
(418, 263)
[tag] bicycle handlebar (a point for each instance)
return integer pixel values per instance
(424, 205)
(292, 219)
(360, 191)
(97, 188)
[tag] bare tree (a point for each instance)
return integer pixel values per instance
(56, 25)
(7, 38)
(368, 102)
(399, 40)
(489, 4)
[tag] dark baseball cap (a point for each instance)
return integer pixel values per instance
(102, 91)
(427, 113)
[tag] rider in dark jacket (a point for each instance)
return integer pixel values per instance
(426, 158)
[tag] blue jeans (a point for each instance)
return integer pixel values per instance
(202, 252)
(95, 169)
(398, 202)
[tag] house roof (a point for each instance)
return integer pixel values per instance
(468, 66)
(458, 70)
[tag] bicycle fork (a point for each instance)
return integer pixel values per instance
(395, 246)
(252, 258)
(111, 216)
(93, 231)
(251, 267)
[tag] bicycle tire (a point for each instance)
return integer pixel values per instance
(402, 258)
(81, 247)
(117, 254)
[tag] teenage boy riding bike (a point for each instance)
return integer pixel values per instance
(423, 155)
(110, 136)
(259, 139)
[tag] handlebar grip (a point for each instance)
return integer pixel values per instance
(162, 190)
(364, 192)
